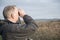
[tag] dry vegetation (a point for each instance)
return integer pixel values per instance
(47, 31)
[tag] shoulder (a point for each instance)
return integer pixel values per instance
(2, 22)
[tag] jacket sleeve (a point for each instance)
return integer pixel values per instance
(0, 28)
(1, 24)
(29, 22)
(30, 26)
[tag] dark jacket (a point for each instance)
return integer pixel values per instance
(16, 31)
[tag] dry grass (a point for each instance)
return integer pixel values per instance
(47, 31)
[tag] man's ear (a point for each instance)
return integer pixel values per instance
(12, 16)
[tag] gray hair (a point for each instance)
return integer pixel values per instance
(8, 10)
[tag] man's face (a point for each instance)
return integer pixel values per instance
(16, 14)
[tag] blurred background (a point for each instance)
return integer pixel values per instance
(38, 9)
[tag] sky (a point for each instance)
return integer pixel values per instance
(37, 9)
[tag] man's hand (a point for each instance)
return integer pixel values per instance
(21, 13)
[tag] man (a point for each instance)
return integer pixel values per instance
(12, 29)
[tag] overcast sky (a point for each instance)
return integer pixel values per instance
(38, 9)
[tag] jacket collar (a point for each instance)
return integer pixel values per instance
(18, 22)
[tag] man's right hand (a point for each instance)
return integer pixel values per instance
(21, 13)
